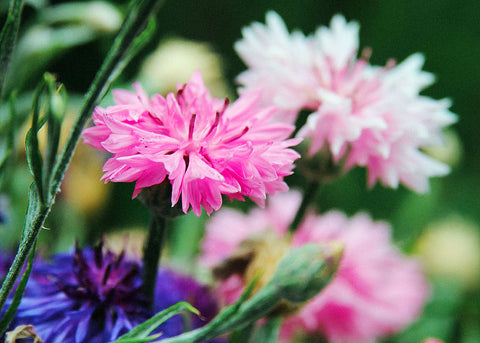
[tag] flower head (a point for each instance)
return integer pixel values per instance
(375, 292)
(366, 115)
(95, 296)
(205, 147)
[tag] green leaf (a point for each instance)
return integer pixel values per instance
(33, 207)
(57, 100)
(12, 309)
(217, 326)
(140, 340)
(34, 156)
(146, 328)
(230, 311)
(7, 146)
(8, 38)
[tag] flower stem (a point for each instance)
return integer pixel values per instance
(152, 251)
(308, 198)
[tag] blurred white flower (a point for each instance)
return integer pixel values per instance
(103, 16)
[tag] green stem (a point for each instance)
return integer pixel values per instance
(269, 332)
(28, 240)
(243, 335)
(308, 198)
(152, 252)
(135, 21)
(250, 311)
(10, 313)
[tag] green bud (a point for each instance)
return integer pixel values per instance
(306, 270)
(58, 103)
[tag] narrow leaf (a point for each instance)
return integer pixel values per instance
(57, 99)
(8, 38)
(232, 310)
(147, 327)
(140, 340)
(33, 207)
(34, 159)
(34, 156)
(216, 326)
(9, 141)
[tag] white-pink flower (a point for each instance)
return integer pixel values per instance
(371, 116)
(205, 147)
(377, 291)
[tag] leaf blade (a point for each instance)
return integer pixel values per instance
(8, 38)
(147, 327)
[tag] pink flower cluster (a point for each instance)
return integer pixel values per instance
(370, 116)
(205, 147)
(376, 291)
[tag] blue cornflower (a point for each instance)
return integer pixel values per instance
(95, 296)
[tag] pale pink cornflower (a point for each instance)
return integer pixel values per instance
(205, 147)
(377, 291)
(371, 116)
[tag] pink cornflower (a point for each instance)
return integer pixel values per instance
(376, 291)
(369, 116)
(205, 147)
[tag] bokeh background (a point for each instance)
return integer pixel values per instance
(70, 39)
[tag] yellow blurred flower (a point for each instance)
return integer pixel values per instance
(450, 152)
(451, 248)
(81, 187)
(175, 60)
(128, 240)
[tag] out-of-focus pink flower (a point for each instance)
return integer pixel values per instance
(205, 147)
(371, 116)
(377, 291)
